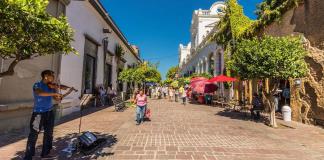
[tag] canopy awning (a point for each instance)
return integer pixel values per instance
(222, 78)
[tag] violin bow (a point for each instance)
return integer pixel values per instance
(59, 84)
(58, 80)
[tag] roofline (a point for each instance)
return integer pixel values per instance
(103, 12)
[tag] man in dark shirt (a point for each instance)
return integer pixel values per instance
(257, 106)
(43, 115)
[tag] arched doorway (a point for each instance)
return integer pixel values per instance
(218, 63)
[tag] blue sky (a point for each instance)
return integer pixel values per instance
(157, 27)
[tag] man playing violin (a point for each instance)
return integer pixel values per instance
(43, 115)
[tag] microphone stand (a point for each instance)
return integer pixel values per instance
(81, 108)
(84, 100)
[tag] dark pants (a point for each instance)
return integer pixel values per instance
(184, 99)
(255, 114)
(208, 99)
(40, 120)
(110, 97)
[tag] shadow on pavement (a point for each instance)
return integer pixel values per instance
(19, 134)
(244, 116)
(62, 142)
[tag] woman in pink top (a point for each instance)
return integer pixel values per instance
(141, 101)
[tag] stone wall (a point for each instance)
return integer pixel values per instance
(307, 101)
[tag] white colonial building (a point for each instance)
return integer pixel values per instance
(202, 55)
(95, 39)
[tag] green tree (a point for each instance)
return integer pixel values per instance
(183, 81)
(28, 31)
(175, 84)
(145, 72)
(152, 75)
(206, 75)
(127, 75)
(171, 74)
(275, 58)
(167, 82)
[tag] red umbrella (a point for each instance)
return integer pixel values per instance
(222, 78)
(195, 80)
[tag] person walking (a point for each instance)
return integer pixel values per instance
(183, 94)
(165, 92)
(176, 95)
(43, 115)
(171, 94)
(109, 95)
(157, 92)
(103, 95)
(133, 100)
(141, 102)
(276, 98)
(153, 92)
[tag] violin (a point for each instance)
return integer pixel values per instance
(60, 86)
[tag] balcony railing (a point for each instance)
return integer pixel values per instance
(204, 12)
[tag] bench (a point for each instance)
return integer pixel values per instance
(119, 103)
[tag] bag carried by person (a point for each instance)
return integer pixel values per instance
(148, 113)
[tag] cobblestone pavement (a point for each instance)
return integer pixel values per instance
(190, 132)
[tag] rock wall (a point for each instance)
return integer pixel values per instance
(307, 101)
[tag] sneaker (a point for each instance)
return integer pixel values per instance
(138, 123)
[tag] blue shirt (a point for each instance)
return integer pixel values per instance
(42, 103)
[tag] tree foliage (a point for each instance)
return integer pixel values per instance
(233, 24)
(172, 72)
(183, 81)
(238, 21)
(27, 31)
(127, 75)
(175, 84)
(273, 8)
(269, 57)
(270, 11)
(206, 75)
(167, 82)
(145, 72)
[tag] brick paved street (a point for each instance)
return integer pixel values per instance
(188, 132)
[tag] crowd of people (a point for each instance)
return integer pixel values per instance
(105, 96)
(170, 93)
